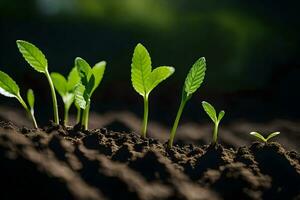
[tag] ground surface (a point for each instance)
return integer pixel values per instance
(68, 163)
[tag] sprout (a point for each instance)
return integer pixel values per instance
(144, 79)
(192, 82)
(90, 79)
(211, 112)
(9, 88)
(65, 89)
(262, 138)
(37, 60)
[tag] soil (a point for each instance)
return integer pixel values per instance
(59, 162)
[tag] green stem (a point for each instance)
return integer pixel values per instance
(175, 125)
(54, 101)
(85, 118)
(78, 115)
(31, 113)
(145, 120)
(215, 134)
(66, 115)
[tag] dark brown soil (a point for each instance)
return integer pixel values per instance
(68, 163)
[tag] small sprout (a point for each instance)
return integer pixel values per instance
(37, 60)
(65, 89)
(9, 88)
(90, 79)
(262, 138)
(144, 79)
(192, 82)
(211, 112)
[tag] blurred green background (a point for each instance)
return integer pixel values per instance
(251, 48)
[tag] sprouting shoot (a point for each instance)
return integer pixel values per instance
(262, 138)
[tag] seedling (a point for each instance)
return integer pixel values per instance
(90, 79)
(9, 88)
(211, 112)
(192, 82)
(262, 138)
(66, 88)
(37, 60)
(144, 80)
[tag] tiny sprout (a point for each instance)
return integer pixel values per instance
(9, 88)
(192, 82)
(66, 88)
(262, 138)
(90, 79)
(37, 60)
(144, 79)
(211, 112)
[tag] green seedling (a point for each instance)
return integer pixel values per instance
(90, 79)
(9, 88)
(144, 79)
(37, 60)
(65, 88)
(211, 112)
(192, 82)
(262, 138)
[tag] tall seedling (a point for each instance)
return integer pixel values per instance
(37, 60)
(66, 89)
(192, 82)
(144, 80)
(90, 79)
(9, 88)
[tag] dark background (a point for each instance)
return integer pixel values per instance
(251, 48)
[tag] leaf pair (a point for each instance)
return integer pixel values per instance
(9, 88)
(211, 112)
(90, 79)
(262, 138)
(144, 80)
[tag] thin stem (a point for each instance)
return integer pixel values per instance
(145, 120)
(85, 118)
(66, 115)
(175, 125)
(215, 134)
(30, 112)
(54, 101)
(78, 115)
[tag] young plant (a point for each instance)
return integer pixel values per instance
(37, 60)
(211, 112)
(262, 138)
(90, 79)
(66, 88)
(144, 79)
(9, 88)
(192, 82)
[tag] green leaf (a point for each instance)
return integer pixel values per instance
(83, 69)
(211, 112)
(195, 76)
(89, 87)
(60, 83)
(259, 136)
(221, 115)
(33, 56)
(157, 76)
(30, 98)
(79, 96)
(98, 71)
(73, 79)
(68, 99)
(140, 69)
(8, 87)
(272, 135)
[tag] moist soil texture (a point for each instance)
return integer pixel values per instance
(59, 162)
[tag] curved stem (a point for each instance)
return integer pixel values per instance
(145, 120)
(175, 125)
(54, 101)
(30, 112)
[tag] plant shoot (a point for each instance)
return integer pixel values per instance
(262, 138)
